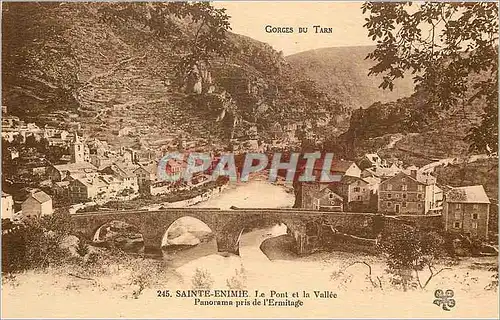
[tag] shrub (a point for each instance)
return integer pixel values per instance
(144, 274)
(82, 248)
(238, 281)
(35, 243)
(493, 285)
(202, 279)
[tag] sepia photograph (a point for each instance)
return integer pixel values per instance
(249, 159)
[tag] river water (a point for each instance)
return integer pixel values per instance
(252, 268)
(253, 194)
(70, 297)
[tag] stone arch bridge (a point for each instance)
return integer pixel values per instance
(305, 226)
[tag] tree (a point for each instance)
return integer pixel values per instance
(408, 252)
(450, 48)
(36, 243)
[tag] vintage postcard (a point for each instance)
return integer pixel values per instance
(249, 159)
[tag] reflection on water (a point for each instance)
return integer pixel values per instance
(250, 247)
(258, 267)
(178, 255)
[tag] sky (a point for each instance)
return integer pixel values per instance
(345, 19)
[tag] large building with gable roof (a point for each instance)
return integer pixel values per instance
(466, 211)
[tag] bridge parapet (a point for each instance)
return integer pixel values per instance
(228, 224)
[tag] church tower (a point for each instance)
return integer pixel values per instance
(77, 150)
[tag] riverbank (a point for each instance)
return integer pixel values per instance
(62, 293)
(264, 264)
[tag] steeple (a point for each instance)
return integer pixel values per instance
(77, 150)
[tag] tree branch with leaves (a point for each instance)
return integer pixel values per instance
(450, 49)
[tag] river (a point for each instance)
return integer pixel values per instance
(257, 194)
(55, 294)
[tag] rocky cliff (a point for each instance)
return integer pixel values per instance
(109, 64)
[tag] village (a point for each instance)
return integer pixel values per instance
(88, 173)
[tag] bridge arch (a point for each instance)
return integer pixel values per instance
(233, 229)
(187, 224)
(119, 233)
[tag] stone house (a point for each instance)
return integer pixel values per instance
(466, 211)
(7, 206)
(319, 196)
(337, 167)
(146, 175)
(60, 172)
(356, 193)
(37, 204)
(406, 194)
(124, 173)
(88, 188)
(101, 161)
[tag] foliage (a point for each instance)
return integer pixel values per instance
(34, 48)
(344, 278)
(408, 251)
(202, 279)
(238, 281)
(450, 48)
(493, 285)
(82, 248)
(35, 243)
(145, 273)
(481, 172)
(89, 50)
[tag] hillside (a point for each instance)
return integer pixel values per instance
(402, 129)
(343, 73)
(115, 67)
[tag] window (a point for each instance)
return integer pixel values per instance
(403, 179)
(419, 205)
(316, 206)
(419, 196)
(389, 204)
(420, 187)
(475, 206)
(474, 225)
(397, 195)
(389, 187)
(474, 216)
(456, 225)
(356, 189)
(389, 195)
(331, 195)
(458, 215)
(359, 198)
(457, 206)
(404, 195)
(404, 187)
(403, 204)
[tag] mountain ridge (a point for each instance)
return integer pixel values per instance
(343, 73)
(117, 75)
